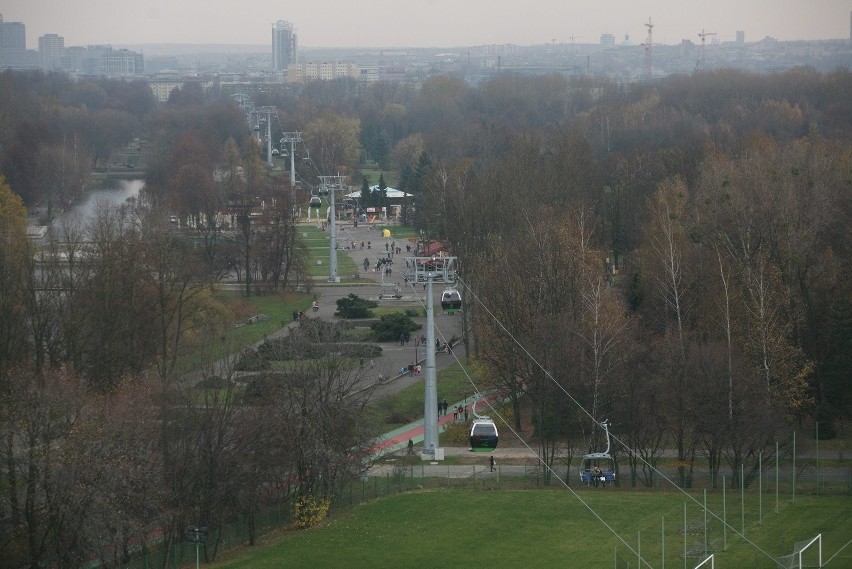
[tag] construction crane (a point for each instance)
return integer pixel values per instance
(648, 43)
(703, 35)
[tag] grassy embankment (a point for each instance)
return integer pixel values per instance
(546, 528)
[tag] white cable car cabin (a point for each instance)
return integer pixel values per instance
(451, 300)
(600, 460)
(483, 433)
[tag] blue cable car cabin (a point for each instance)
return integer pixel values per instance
(483, 435)
(606, 464)
(598, 468)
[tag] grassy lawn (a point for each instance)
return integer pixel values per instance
(541, 528)
(278, 307)
(316, 240)
(372, 175)
(407, 405)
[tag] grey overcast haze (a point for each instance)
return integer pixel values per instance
(423, 23)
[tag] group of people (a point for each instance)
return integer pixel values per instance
(460, 413)
(413, 369)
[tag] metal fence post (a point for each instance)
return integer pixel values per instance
(724, 513)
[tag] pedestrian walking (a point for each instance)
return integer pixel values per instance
(493, 463)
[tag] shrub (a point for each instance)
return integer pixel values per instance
(310, 511)
(391, 326)
(252, 361)
(353, 306)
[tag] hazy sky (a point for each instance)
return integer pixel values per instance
(422, 23)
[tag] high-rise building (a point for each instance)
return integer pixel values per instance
(50, 48)
(13, 47)
(283, 45)
(13, 35)
(740, 37)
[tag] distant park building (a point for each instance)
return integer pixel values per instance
(284, 45)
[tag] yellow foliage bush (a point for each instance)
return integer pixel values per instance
(310, 511)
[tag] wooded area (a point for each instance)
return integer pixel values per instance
(668, 255)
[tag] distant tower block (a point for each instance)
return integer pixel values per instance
(284, 45)
(740, 37)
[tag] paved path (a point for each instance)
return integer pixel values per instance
(386, 378)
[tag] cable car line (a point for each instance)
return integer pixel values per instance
(627, 448)
(524, 443)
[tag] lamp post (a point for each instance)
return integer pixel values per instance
(198, 536)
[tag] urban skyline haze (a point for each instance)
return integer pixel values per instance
(424, 23)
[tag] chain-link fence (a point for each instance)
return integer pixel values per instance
(743, 497)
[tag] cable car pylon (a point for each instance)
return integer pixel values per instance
(428, 270)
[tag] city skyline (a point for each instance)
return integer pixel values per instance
(425, 23)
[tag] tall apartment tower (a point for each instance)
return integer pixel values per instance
(50, 48)
(283, 45)
(13, 35)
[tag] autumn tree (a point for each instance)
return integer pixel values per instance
(319, 411)
(15, 277)
(333, 141)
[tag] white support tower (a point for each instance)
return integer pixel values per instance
(331, 184)
(292, 138)
(268, 113)
(430, 270)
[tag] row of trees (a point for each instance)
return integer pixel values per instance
(95, 476)
(719, 331)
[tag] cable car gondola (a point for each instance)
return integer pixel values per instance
(316, 201)
(451, 301)
(483, 433)
(598, 468)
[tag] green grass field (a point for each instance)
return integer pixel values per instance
(541, 528)
(372, 174)
(316, 241)
(406, 406)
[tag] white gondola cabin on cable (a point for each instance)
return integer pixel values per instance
(483, 433)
